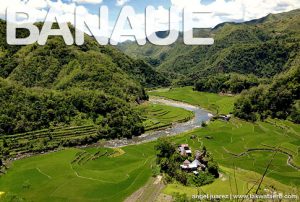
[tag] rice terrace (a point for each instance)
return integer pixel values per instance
(93, 173)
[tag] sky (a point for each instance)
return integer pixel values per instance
(221, 10)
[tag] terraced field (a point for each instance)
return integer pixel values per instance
(91, 174)
(242, 145)
(155, 117)
(227, 141)
(159, 116)
(86, 174)
(48, 139)
(242, 150)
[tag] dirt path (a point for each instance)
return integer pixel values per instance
(149, 192)
(88, 178)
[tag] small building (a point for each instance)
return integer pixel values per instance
(186, 163)
(194, 166)
(184, 150)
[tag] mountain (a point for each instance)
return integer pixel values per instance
(60, 85)
(262, 47)
(89, 66)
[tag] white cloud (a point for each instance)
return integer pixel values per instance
(121, 2)
(39, 10)
(37, 4)
(36, 7)
(238, 10)
(88, 1)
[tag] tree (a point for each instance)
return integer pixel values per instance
(164, 148)
(213, 168)
(181, 177)
(295, 114)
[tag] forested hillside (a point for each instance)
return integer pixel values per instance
(280, 99)
(59, 85)
(90, 66)
(261, 47)
(23, 109)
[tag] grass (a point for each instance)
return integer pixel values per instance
(159, 116)
(226, 184)
(210, 101)
(53, 176)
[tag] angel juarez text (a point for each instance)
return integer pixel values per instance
(126, 25)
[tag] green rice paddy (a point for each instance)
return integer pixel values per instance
(93, 174)
(159, 116)
(210, 101)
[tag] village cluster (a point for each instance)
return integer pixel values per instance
(197, 165)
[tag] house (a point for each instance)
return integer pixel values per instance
(185, 165)
(184, 150)
(194, 165)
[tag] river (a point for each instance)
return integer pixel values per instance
(200, 115)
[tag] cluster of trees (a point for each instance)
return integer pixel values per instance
(280, 99)
(233, 83)
(169, 161)
(24, 109)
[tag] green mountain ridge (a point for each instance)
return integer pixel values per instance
(262, 47)
(90, 66)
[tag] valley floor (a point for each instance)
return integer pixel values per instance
(242, 150)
